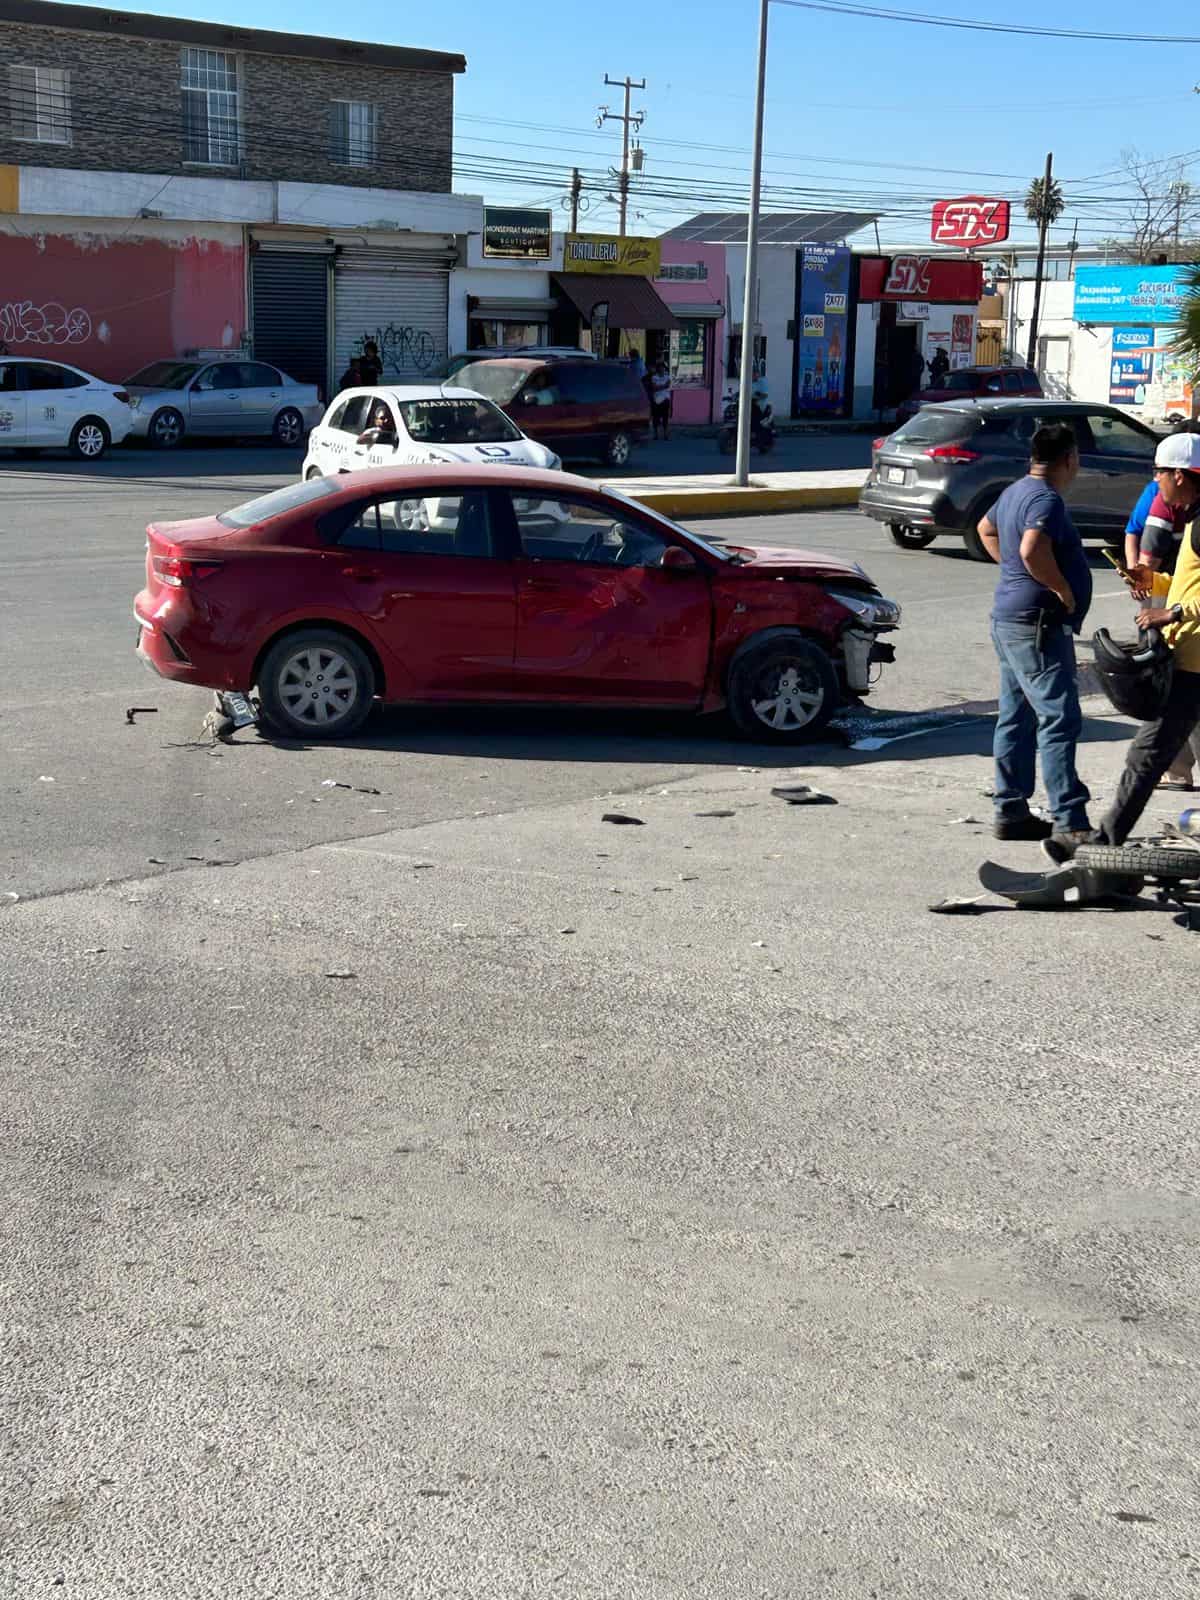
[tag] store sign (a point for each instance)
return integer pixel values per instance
(683, 272)
(938, 281)
(512, 233)
(1149, 296)
(969, 221)
(598, 252)
(822, 298)
(1132, 365)
(915, 310)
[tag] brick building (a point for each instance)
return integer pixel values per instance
(168, 184)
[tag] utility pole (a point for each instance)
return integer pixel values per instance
(576, 190)
(741, 475)
(1181, 193)
(628, 119)
(1043, 229)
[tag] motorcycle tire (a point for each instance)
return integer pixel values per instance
(1138, 861)
(726, 441)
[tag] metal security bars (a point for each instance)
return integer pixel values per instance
(211, 113)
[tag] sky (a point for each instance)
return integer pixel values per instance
(862, 113)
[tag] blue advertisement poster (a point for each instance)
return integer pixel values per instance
(822, 327)
(1144, 296)
(1132, 365)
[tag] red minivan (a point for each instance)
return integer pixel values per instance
(578, 407)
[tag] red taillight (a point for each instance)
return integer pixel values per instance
(878, 444)
(176, 571)
(953, 453)
(120, 394)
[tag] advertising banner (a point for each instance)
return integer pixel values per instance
(822, 301)
(513, 233)
(1144, 296)
(1132, 365)
(600, 252)
(970, 220)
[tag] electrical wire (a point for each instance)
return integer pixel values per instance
(880, 14)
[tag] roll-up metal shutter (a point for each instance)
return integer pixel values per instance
(289, 311)
(398, 298)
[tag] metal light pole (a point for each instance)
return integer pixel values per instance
(741, 475)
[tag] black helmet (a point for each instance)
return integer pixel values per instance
(1136, 677)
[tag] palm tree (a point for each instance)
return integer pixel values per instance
(1051, 207)
(1187, 330)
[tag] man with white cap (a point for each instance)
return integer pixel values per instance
(1171, 602)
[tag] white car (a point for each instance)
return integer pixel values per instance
(46, 405)
(398, 426)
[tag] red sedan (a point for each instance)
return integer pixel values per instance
(423, 585)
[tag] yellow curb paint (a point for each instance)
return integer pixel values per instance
(746, 502)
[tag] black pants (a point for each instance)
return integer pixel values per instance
(1155, 746)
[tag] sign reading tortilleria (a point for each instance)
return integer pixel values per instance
(516, 234)
(599, 252)
(969, 221)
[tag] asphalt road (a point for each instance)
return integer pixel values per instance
(444, 1193)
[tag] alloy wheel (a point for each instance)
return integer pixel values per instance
(90, 440)
(786, 697)
(318, 687)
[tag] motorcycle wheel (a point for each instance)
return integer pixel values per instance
(726, 440)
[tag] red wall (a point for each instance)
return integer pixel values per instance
(110, 306)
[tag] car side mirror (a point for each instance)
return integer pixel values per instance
(676, 559)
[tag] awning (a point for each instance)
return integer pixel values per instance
(511, 305)
(706, 311)
(631, 301)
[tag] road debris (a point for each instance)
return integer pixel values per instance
(139, 711)
(336, 783)
(1134, 1516)
(622, 819)
(802, 794)
(959, 906)
(42, 778)
(341, 974)
(714, 813)
(970, 822)
(11, 896)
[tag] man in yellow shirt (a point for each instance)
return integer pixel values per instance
(1156, 744)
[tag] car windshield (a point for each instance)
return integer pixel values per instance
(709, 549)
(164, 375)
(275, 504)
(499, 380)
(456, 422)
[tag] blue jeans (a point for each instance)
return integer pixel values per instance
(1039, 715)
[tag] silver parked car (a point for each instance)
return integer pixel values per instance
(173, 398)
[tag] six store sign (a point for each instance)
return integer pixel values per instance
(969, 221)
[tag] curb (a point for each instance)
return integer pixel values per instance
(751, 501)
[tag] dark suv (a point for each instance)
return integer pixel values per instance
(977, 383)
(943, 469)
(577, 405)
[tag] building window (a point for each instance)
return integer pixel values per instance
(211, 115)
(354, 133)
(689, 355)
(40, 98)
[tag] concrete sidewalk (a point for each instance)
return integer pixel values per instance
(716, 495)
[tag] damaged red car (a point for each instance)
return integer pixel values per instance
(504, 585)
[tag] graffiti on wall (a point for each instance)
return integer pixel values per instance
(21, 322)
(401, 348)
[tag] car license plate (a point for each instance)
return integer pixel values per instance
(895, 474)
(238, 708)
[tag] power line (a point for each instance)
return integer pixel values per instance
(879, 14)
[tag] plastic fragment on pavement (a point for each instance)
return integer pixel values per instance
(802, 794)
(622, 820)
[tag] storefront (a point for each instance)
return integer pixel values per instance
(289, 304)
(397, 296)
(109, 297)
(691, 283)
(909, 307)
(1121, 349)
(606, 299)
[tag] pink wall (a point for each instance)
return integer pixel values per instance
(111, 305)
(695, 404)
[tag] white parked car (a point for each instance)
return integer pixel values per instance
(235, 397)
(46, 405)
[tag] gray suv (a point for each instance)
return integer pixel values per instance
(945, 467)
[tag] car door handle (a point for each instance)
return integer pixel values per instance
(541, 585)
(360, 574)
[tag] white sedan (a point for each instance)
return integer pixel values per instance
(398, 426)
(46, 405)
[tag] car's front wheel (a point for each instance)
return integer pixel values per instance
(783, 689)
(289, 427)
(315, 683)
(974, 545)
(910, 538)
(166, 428)
(89, 439)
(618, 449)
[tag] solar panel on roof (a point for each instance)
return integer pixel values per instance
(775, 227)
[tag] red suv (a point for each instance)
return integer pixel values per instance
(512, 585)
(575, 405)
(976, 383)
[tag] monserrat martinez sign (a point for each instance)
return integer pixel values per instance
(516, 234)
(1141, 296)
(599, 252)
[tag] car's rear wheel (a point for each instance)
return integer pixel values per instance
(289, 427)
(782, 690)
(89, 439)
(910, 538)
(616, 453)
(166, 428)
(316, 683)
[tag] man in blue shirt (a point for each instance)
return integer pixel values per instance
(1042, 598)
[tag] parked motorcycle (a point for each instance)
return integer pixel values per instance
(762, 430)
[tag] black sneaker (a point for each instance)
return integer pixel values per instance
(1061, 847)
(1026, 827)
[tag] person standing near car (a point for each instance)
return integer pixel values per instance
(938, 368)
(660, 399)
(1042, 599)
(371, 363)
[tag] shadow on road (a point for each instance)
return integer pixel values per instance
(200, 458)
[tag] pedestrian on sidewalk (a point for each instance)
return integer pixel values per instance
(660, 399)
(352, 378)
(1042, 599)
(1172, 604)
(938, 368)
(371, 363)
